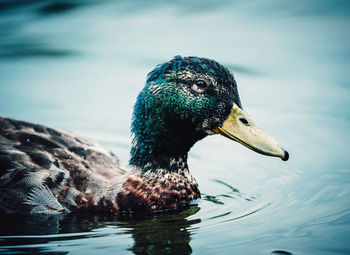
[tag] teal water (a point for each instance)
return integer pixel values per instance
(78, 65)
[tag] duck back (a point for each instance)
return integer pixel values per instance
(45, 170)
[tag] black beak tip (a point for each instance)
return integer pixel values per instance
(286, 155)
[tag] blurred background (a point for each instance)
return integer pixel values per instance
(79, 65)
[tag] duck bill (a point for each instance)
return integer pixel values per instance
(241, 128)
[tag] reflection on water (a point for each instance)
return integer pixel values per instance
(162, 235)
(167, 234)
(78, 65)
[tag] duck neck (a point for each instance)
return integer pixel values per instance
(163, 163)
(166, 150)
(169, 155)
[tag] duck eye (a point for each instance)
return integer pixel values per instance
(201, 84)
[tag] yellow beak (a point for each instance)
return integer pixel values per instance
(241, 128)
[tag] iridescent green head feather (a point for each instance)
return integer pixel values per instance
(182, 102)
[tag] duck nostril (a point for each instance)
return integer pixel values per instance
(244, 121)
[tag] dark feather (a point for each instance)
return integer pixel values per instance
(34, 156)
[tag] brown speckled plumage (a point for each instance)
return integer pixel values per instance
(81, 175)
(158, 192)
(77, 171)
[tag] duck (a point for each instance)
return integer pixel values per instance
(45, 171)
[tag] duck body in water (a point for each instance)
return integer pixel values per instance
(51, 171)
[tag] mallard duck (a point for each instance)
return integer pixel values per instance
(51, 171)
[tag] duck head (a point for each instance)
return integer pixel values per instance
(185, 100)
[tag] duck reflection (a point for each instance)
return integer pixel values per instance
(157, 234)
(162, 235)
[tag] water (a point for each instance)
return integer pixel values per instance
(79, 66)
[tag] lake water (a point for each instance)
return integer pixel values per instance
(78, 65)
